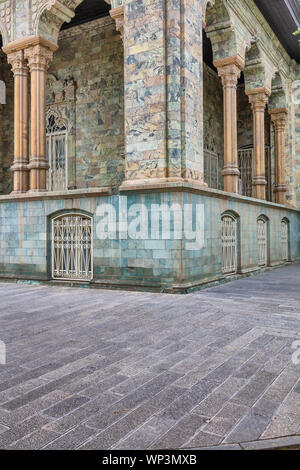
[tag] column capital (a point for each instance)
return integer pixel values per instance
(229, 69)
(117, 14)
(279, 117)
(38, 57)
(18, 63)
(258, 97)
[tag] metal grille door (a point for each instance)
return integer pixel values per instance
(211, 169)
(229, 245)
(284, 240)
(245, 158)
(72, 247)
(262, 242)
(245, 162)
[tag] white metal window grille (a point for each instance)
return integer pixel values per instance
(211, 168)
(56, 150)
(284, 240)
(72, 247)
(229, 244)
(262, 242)
(245, 162)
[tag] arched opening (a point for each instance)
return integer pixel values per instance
(213, 143)
(230, 242)
(219, 147)
(7, 123)
(285, 242)
(263, 240)
(57, 151)
(85, 88)
(252, 77)
(72, 247)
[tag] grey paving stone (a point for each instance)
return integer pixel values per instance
(202, 439)
(115, 432)
(35, 441)
(254, 389)
(22, 429)
(252, 426)
(144, 436)
(71, 439)
(180, 433)
(64, 407)
(226, 419)
(219, 352)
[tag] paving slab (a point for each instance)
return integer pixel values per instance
(92, 369)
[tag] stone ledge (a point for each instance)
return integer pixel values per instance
(195, 188)
(67, 194)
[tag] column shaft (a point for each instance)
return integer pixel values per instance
(21, 130)
(279, 119)
(229, 70)
(258, 99)
(38, 59)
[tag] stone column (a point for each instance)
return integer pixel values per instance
(38, 60)
(19, 167)
(229, 70)
(279, 118)
(258, 98)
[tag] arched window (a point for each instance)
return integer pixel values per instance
(57, 151)
(262, 241)
(284, 240)
(229, 244)
(72, 253)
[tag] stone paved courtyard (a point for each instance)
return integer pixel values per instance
(94, 369)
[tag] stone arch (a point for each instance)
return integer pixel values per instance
(258, 70)
(50, 16)
(220, 29)
(278, 97)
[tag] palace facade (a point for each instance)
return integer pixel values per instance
(148, 144)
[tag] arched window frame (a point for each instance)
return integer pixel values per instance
(263, 241)
(229, 268)
(56, 128)
(285, 239)
(52, 226)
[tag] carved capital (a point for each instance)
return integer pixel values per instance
(118, 15)
(279, 118)
(229, 69)
(258, 98)
(18, 63)
(38, 57)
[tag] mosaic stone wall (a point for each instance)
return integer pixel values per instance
(25, 239)
(92, 56)
(163, 70)
(6, 128)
